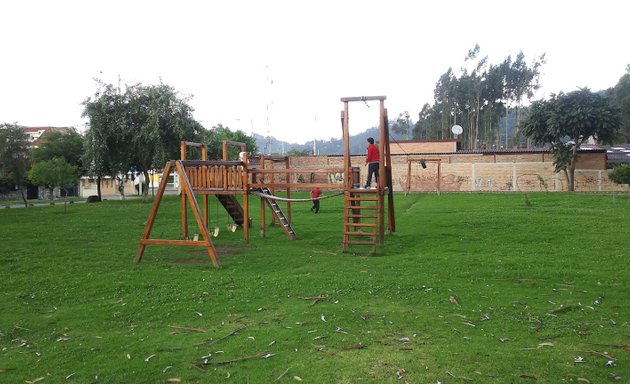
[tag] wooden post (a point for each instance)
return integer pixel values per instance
(182, 194)
(245, 200)
(347, 163)
(408, 176)
(391, 222)
(288, 181)
(204, 175)
(382, 176)
(263, 223)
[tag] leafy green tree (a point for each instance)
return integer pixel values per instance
(566, 121)
(158, 120)
(67, 145)
(14, 157)
(53, 173)
(214, 141)
(139, 128)
(622, 94)
(106, 141)
(477, 97)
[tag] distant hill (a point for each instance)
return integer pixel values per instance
(324, 147)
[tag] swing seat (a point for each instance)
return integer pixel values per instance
(215, 232)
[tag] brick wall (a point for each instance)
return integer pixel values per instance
(405, 147)
(522, 172)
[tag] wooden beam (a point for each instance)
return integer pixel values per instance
(297, 170)
(363, 98)
(298, 186)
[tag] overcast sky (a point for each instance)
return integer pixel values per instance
(280, 67)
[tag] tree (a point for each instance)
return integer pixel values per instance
(521, 80)
(67, 145)
(567, 120)
(53, 173)
(140, 128)
(105, 140)
(402, 125)
(477, 96)
(214, 141)
(622, 94)
(158, 120)
(14, 157)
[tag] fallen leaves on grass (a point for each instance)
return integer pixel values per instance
(453, 299)
(148, 358)
(35, 380)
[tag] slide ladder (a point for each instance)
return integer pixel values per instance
(277, 212)
(360, 218)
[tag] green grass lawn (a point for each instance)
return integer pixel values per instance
(479, 288)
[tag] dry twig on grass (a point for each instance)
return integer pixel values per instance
(177, 330)
(211, 341)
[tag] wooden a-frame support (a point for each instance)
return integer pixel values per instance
(201, 223)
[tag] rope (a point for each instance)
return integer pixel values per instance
(397, 143)
(272, 197)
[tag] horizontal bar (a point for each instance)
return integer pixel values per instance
(298, 186)
(296, 170)
(363, 98)
(200, 243)
(194, 163)
(192, 144)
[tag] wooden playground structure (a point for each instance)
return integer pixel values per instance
(363, 210)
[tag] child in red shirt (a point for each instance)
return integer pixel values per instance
(372, 161)
(315, 194)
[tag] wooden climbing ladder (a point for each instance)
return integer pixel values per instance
(364, 209)
(360, 219)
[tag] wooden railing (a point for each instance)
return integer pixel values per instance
(215, 175)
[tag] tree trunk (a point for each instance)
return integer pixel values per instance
(145, 187)
(23, 197)
(98, 188)
(572, 164)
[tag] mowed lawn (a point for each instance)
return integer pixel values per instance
(471, 288)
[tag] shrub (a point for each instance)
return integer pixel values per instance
(620, 174)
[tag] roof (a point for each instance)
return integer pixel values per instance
(35, 133)
(618, 154)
